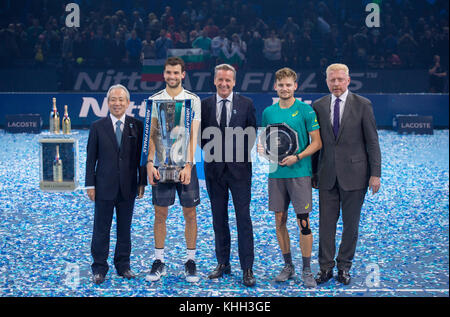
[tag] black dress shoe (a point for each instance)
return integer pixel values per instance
(98, 278)
(323, 276)
(248, 278)
(128, 274)
(220, 270)
(344, 277)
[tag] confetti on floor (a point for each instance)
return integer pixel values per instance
(403, 247)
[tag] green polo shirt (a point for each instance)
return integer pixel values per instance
(302, 118)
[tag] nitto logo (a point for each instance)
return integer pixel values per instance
(373, 18)
(73, 18)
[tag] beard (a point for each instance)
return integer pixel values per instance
(175, 85)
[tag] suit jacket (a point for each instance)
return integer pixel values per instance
(354, 155)
(109, 168)
(242, 115)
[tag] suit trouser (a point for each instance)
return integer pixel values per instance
(241, 193)
(104, 210)
(330, 203)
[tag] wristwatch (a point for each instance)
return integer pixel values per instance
(189, 163)
(298, 157)
(149, 161)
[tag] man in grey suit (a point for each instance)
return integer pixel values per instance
(348, 163)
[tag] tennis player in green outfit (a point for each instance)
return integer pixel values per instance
(290, 179)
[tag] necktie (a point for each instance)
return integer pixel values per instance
(118, 133)
(223, 115)
(336, 117)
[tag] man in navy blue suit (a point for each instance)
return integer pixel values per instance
(112, 169)
(229, 125)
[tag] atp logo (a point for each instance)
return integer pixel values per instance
(73, 18)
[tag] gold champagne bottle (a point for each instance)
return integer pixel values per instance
(54, 119)
(57, 167)
(66, 125)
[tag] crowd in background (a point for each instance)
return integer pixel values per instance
(266, 34)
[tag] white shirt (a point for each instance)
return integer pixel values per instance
(219, 105)
(114, 121)
(343, 98)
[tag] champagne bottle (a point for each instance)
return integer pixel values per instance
(51, 127)
(57, 167)
(66, 125)
(54, 118)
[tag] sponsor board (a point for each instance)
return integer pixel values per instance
(84, 108)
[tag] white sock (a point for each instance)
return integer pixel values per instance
(159, 254)
(190, 254)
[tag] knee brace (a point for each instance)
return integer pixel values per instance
(304, 228)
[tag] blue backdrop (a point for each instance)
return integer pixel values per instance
(85, 108)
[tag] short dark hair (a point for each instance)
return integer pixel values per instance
(173, 61)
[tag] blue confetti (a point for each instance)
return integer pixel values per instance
(403, 247)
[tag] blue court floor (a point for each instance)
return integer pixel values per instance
(403, 247)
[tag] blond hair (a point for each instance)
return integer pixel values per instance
(285, 72)
(336, 67)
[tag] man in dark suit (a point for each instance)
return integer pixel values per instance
(229, 125)
(112, 168)
(348, 163)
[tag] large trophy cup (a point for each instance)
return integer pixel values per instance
(171, 138)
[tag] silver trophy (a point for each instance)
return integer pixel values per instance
(279, 140)
(172, 139)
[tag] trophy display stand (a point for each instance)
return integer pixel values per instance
(58, 158)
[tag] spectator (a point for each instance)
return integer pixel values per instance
(154, 26)
(34, 31)
(192, 36)
(390, 42)
(118, 51)
(173, 34)
(427, 46)
(9, 48)
(67, 44)
(290, 49)
(272, 50)
(148, 47)
(183, 41)
(306, 52)
(134, 47)
(167, 18)
(349, 51)
(437, 76)
(202, 42)
(442, 46)
(407, 47)
(203, 12)
(41, 49)
(211, 30)
(138, 24)
(232, 27)
(255, 47)
(217, 43)
(185, 22)
(393, 61)
(97, 45)
(290, 27)
(162, 44)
